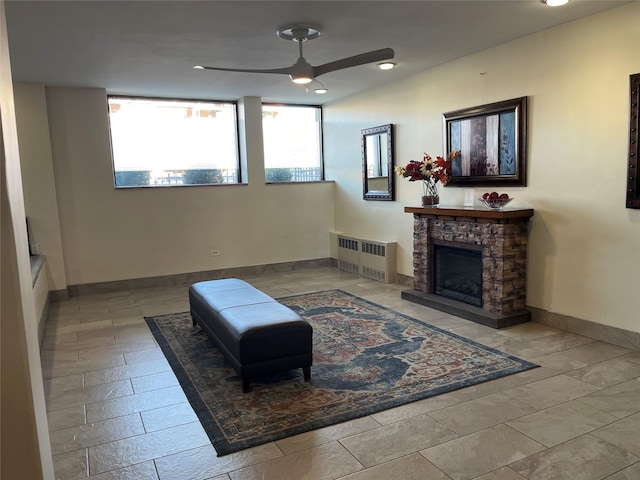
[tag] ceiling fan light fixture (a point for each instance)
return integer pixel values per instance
(555, 3)
(386, 65)
(301, 79)
(320, 89)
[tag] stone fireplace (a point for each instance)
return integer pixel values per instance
(471, 263)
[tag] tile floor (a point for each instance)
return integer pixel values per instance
(116, 411)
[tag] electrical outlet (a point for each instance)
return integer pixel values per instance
(214, 253)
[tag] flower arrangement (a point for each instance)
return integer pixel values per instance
(429, 170)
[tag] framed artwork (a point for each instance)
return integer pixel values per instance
(633, 179)
(487, 145)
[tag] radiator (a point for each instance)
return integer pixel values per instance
(369, 258)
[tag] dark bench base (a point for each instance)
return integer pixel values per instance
(256, 334)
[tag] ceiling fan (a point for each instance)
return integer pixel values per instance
(302, 72)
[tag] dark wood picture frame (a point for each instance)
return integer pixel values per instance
(633, 179)
(376, 145)
(490, 143)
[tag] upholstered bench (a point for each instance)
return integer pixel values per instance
(256, 334)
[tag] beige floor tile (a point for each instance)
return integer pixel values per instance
(87, 337)
(504, 473)
(481, 413)
(82, 396)
(624, 433)
(52, 339)
(536, 347)
(584, 458)
(134, 403)
(62, 384)
(328, 434)
(629, 473)
(140, 471)
(170, 416)
(83, 366)
(551, 391)
(71, 465)
(502, 384)
(481, 452)
(411, 467)
(130, 332)
(608, 373)
(414, 409)
(141, 448)
(128, 320)
(66, 417)
(126, 372)
(142, 356)
(620, 400)
(84, 327)
(579, 357)
(325, 462)
(154, 381)
(90, 317)
(528, 331)
(203, 463)
(561, 423)
(396, 440)
(116, 348)
(91, 434)
(61, 321)
(49, 358)
(70, 343)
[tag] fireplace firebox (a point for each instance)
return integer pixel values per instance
(457, 274)
(471, 262)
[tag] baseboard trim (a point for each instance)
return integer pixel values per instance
(597, 331)
(42, 321)
(192, 277)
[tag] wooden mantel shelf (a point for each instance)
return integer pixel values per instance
(474, 212)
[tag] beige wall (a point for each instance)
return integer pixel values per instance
(584, 259)
(584, 245)
(24, 433)
(41, 203)
(110, 234)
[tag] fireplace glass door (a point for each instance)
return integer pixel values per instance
(458, 274)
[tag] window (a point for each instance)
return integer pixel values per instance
(292, 143)
(161, 142)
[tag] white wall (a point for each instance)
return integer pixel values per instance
(584, 245)
(110, 234)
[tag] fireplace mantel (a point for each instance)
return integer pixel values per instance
(472, 212)
(501, 235)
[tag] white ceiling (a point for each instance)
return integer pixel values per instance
(148, 48)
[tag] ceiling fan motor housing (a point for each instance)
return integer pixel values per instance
(299, 33)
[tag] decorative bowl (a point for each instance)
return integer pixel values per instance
(495, 203)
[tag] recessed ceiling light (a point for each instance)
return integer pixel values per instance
(386, 65)
(321, 91)
(555, 3)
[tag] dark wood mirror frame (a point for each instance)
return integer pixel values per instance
(633, 179)
(369, 190)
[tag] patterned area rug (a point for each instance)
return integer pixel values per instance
(366, 358)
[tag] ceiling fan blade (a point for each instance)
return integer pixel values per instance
(363, 58)
(286, 70)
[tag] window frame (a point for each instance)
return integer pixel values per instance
(238, 180)
(320, 139)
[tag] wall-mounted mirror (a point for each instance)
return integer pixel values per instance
(377, 163)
